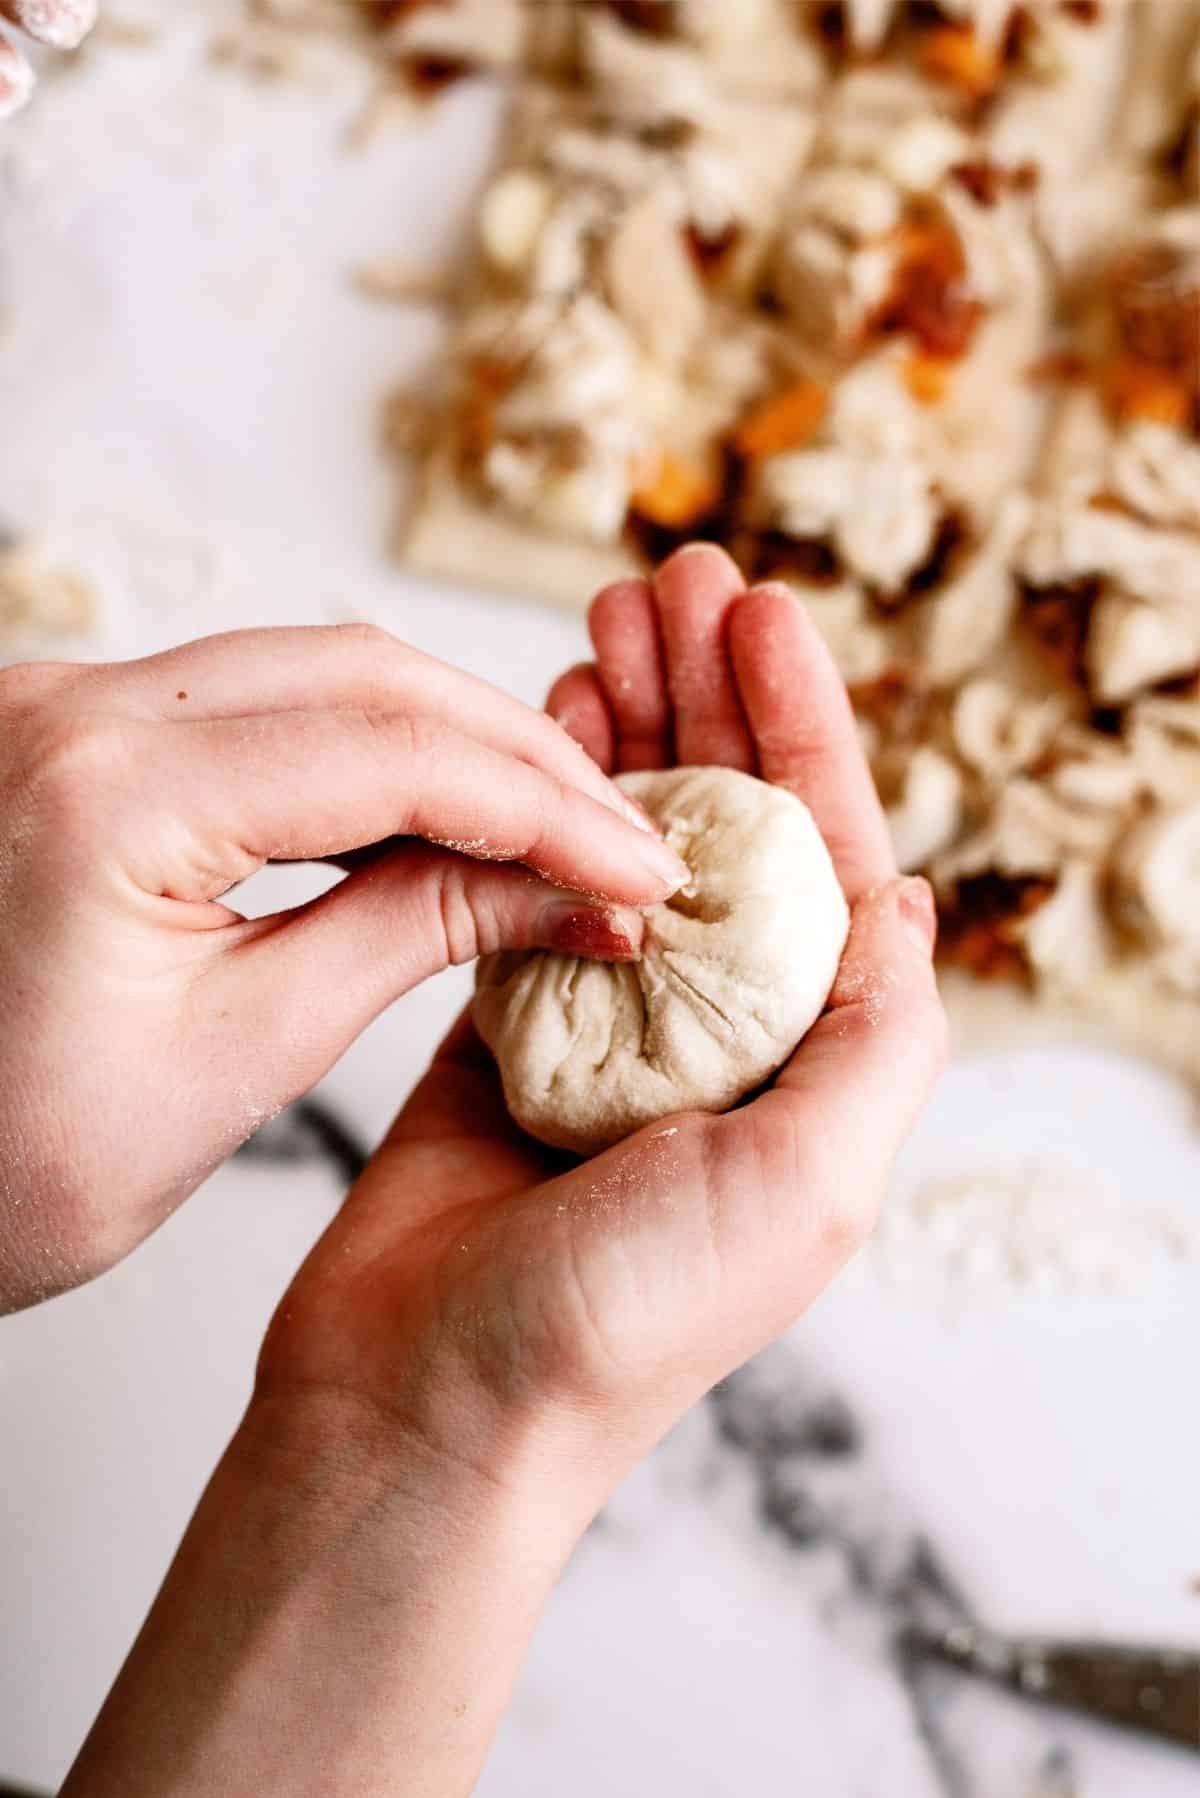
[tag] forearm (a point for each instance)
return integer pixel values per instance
(346, 1615)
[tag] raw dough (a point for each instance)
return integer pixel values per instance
(735, 969)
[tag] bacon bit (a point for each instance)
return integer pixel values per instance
(1068, 366)
(894, 702)
(929, 300)
(983, 180)
(1156, 301)
(829, 24)
(1016, 37)
(1178, 151)
(429, 76)
(488, 382)
(1136, 389)
(711, 254)
(810, 561)
(383, 13)
(927, 377)
(1058, 619)
(656, 18)
(953, 55)
(1107, 501)
(949, 543)
(1109, 720)
(981, 924)
(785, 421)
(674, 493)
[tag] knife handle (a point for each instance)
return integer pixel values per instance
(1153, 1690)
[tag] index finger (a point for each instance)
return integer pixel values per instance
(307, 785)
(803, 725)
(308, 668)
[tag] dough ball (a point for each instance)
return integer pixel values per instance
(735, 968)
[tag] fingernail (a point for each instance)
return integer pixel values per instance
(571, 928)
(639, 816)
(664, 864)
(918, 912)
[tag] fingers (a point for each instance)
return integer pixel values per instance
(804, 731)
(319, 974)
(858, 1082)
(632, 674)
(16, 78)
(577, 703)
(293, 786)
(62, 24)
(697, 591)
(263, 672)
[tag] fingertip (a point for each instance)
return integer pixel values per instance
(615, 604)
(698, 569)
(918, 912)
(887, 965)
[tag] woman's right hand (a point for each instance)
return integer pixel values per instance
(148, 1027)
(61, 24)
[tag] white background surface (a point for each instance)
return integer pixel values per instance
(188, 398)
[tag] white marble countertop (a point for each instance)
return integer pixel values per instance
(188, 393)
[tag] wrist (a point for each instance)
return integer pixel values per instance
(349, 1607)
(443, 1446)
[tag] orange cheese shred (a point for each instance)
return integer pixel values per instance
(927, 377)
(785, 421)
(952, 54)
(671, 491)
(1137, 389)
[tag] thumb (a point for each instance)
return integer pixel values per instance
(323, 971)
(868, 1066)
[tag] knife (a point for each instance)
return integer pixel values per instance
(1155, 1690)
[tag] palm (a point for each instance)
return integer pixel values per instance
(587, 1276)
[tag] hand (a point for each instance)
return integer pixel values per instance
(487, 1335)
(63, 24)
(617, 1291)
(153, 1028)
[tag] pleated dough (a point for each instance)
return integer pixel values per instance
(735, 969)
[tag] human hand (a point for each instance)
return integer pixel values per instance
(149, 1028)
(62, 24)
(615, 1292)
(487, 1335)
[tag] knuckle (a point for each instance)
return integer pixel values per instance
(26, 684)
(358, 633)
(406, 734)
(457, 923)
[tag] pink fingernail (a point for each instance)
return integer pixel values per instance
(574, 929)
(918, 910)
